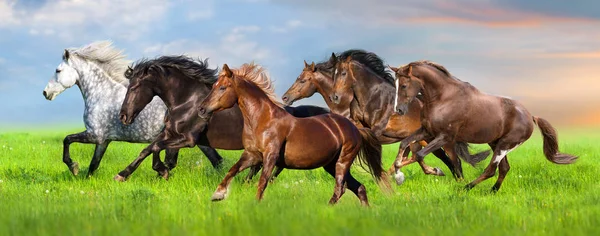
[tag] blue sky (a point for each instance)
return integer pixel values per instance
(545, 55)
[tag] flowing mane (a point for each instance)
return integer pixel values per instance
(194, 69)
(370, 60)
(426, 62)
(257, 75)
(108, 58)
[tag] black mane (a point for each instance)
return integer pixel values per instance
(370, 60)
(195, 69)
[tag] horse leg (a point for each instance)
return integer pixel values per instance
(246, 160)
(83, 137)
(500, 152)
(357, 188)
(420, 134)
(503, 169)
(428, 170)
(401, 160)
(276, 173)
(455, 165)
(159, 166)
(98, 154)
(212, 155)
(171, 156)
(152, 148)
(437, 143)
(342, 168)
(252, 172)
(269, 161)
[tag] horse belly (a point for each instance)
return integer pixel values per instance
(225, 129)
(310, 148)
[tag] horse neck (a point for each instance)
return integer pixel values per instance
(178, 89)
(94, 83)
(254, 103)
(435, 84)
(370, 86)
(324, 85)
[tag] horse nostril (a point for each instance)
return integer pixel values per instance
(201, 111)
(285, 98)
(45, 94)
(123, 118)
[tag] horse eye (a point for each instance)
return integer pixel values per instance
(302, 81)
(404, 86)
(344, 73)
(222, 88)
(57, 71)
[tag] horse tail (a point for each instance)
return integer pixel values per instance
(462, 150)
(370, 152)
(551, 143)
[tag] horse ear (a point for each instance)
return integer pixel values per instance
(227, 71)
(409, 71)
(333, 58)
(66, 55)
(305, 64)
(312, 67)
(394, 69)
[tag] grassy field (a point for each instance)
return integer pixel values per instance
(39, 196)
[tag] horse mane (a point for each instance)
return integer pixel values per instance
(257, 75)
(194, 69)
(108, 58)
(426, 62)
(370, 60)
(324, 66)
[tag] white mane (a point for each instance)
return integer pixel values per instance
(108, 58)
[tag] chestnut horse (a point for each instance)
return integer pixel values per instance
(456, 111)
(182, 83)
(363, 73)
(272, 137)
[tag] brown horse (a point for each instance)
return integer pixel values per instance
(317, 79)
(363, 73)
(273, 137)
(182, 83)
(455, 111)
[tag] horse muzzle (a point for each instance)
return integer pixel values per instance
(335, 98)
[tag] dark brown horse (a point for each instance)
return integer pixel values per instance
(182, 83)
(455, 111)
(363, 73)
(272, 137)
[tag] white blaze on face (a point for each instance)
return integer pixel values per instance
(396, 96)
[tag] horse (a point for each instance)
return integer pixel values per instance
(272, 137)
(317, 79)
(364, 75)
(182, 83)
(97, 69)
(456, 111)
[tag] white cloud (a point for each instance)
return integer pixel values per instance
(73, 19)
(292, 24)
(234, 48)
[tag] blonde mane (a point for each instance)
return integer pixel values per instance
(257, 75)
(108, 58)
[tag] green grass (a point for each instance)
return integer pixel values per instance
(39, 196)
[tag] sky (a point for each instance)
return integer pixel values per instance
(545, 55)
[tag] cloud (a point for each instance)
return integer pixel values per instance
(234, 48)
(70, 20)
(289, 25)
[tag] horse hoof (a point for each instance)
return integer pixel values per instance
(399, 176)
(119, 178)
(468, 187)
(74, 168)
(439, 172)
(217, 196)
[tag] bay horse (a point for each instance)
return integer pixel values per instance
(456, 111)
(364, 75)
(182, 83)
(97, 70)
(272, 137)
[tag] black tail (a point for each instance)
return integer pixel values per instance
(551, 143)
(462, 150)
(370, 152)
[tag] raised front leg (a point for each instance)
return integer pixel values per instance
(437, 143)
(152, 148)
(418, 135)
(98, 154)
(246, 160)
(171, 156)
(83, 137)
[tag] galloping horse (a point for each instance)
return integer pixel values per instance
(182, 83)
(273, 137)
(456, 111)
(97, 69)
(363, 74)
